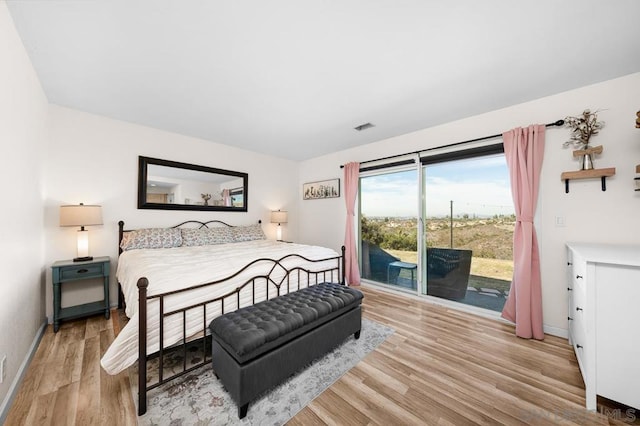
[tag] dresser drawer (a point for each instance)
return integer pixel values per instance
(578, 268)
(579, 308)
(578, 338)
(80, 272)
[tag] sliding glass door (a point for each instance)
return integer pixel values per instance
(461, 248)
(469, 220)
(388, 227)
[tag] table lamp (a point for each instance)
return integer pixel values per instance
(279, 217)
(81, 215)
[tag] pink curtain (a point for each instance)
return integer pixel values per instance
(351, 177)
(226, 197)
(524, 149)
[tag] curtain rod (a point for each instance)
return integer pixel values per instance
(555, 123)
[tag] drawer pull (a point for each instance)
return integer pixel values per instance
(579, 346)
(83, 271)
(578, 277)
(569, 289)
(578, 309)
(569, 263)
(570, 319)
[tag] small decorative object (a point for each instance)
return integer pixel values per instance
(638, 120)
(206, 198)
(323, 189)
(582, 128)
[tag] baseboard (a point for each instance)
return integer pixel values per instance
(15, 386)
(556, 331)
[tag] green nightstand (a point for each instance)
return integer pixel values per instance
(67, 270)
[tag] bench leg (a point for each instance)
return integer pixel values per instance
(356, 335)
(242, 411)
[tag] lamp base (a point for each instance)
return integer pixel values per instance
(83, 259)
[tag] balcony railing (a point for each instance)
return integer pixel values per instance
(448, 276)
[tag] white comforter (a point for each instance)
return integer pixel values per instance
(182, 267)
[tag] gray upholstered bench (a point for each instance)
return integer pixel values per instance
(258, 347)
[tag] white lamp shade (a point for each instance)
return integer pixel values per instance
(278, 217)
(80, 215)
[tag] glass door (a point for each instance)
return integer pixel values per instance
(468, 218)
(388, 228)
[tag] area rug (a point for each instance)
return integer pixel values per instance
(199, 399)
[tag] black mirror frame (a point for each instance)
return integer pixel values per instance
(143, 162)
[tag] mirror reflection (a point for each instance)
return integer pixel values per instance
(170, 185)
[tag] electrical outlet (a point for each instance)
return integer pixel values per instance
(3, 368)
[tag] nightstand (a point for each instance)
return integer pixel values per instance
(64, 271)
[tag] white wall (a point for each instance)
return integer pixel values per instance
(93, 159)
(590, 214)
(23, 117)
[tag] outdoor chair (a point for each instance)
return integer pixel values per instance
(448, 272)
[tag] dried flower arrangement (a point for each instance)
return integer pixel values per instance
(582, 128)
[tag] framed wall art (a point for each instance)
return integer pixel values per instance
(321, 189)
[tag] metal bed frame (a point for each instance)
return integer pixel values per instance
(313, 277)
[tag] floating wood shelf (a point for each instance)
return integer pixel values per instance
(588, 174)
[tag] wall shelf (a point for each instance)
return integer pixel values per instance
(588, 174)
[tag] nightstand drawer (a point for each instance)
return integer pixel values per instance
(81, 272)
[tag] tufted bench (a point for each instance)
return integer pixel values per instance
(257, 347)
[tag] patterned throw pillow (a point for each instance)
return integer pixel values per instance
(206, 236)
(248, 233)
(151, 238)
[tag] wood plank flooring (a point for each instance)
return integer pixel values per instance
(440, 367)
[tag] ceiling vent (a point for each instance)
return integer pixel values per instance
(364, 126)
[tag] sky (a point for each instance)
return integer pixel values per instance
(476, 186)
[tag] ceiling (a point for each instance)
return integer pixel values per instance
(292, 78)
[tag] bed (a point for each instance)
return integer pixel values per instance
(174, 281)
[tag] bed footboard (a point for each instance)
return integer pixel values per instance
(225, 303)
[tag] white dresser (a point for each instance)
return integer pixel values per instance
(604, 319)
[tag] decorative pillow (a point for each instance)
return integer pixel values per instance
(206, 236)
(248, 233)
(151, 238)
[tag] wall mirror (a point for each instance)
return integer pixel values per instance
(169, 185)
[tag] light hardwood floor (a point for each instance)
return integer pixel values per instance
(440, 367)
